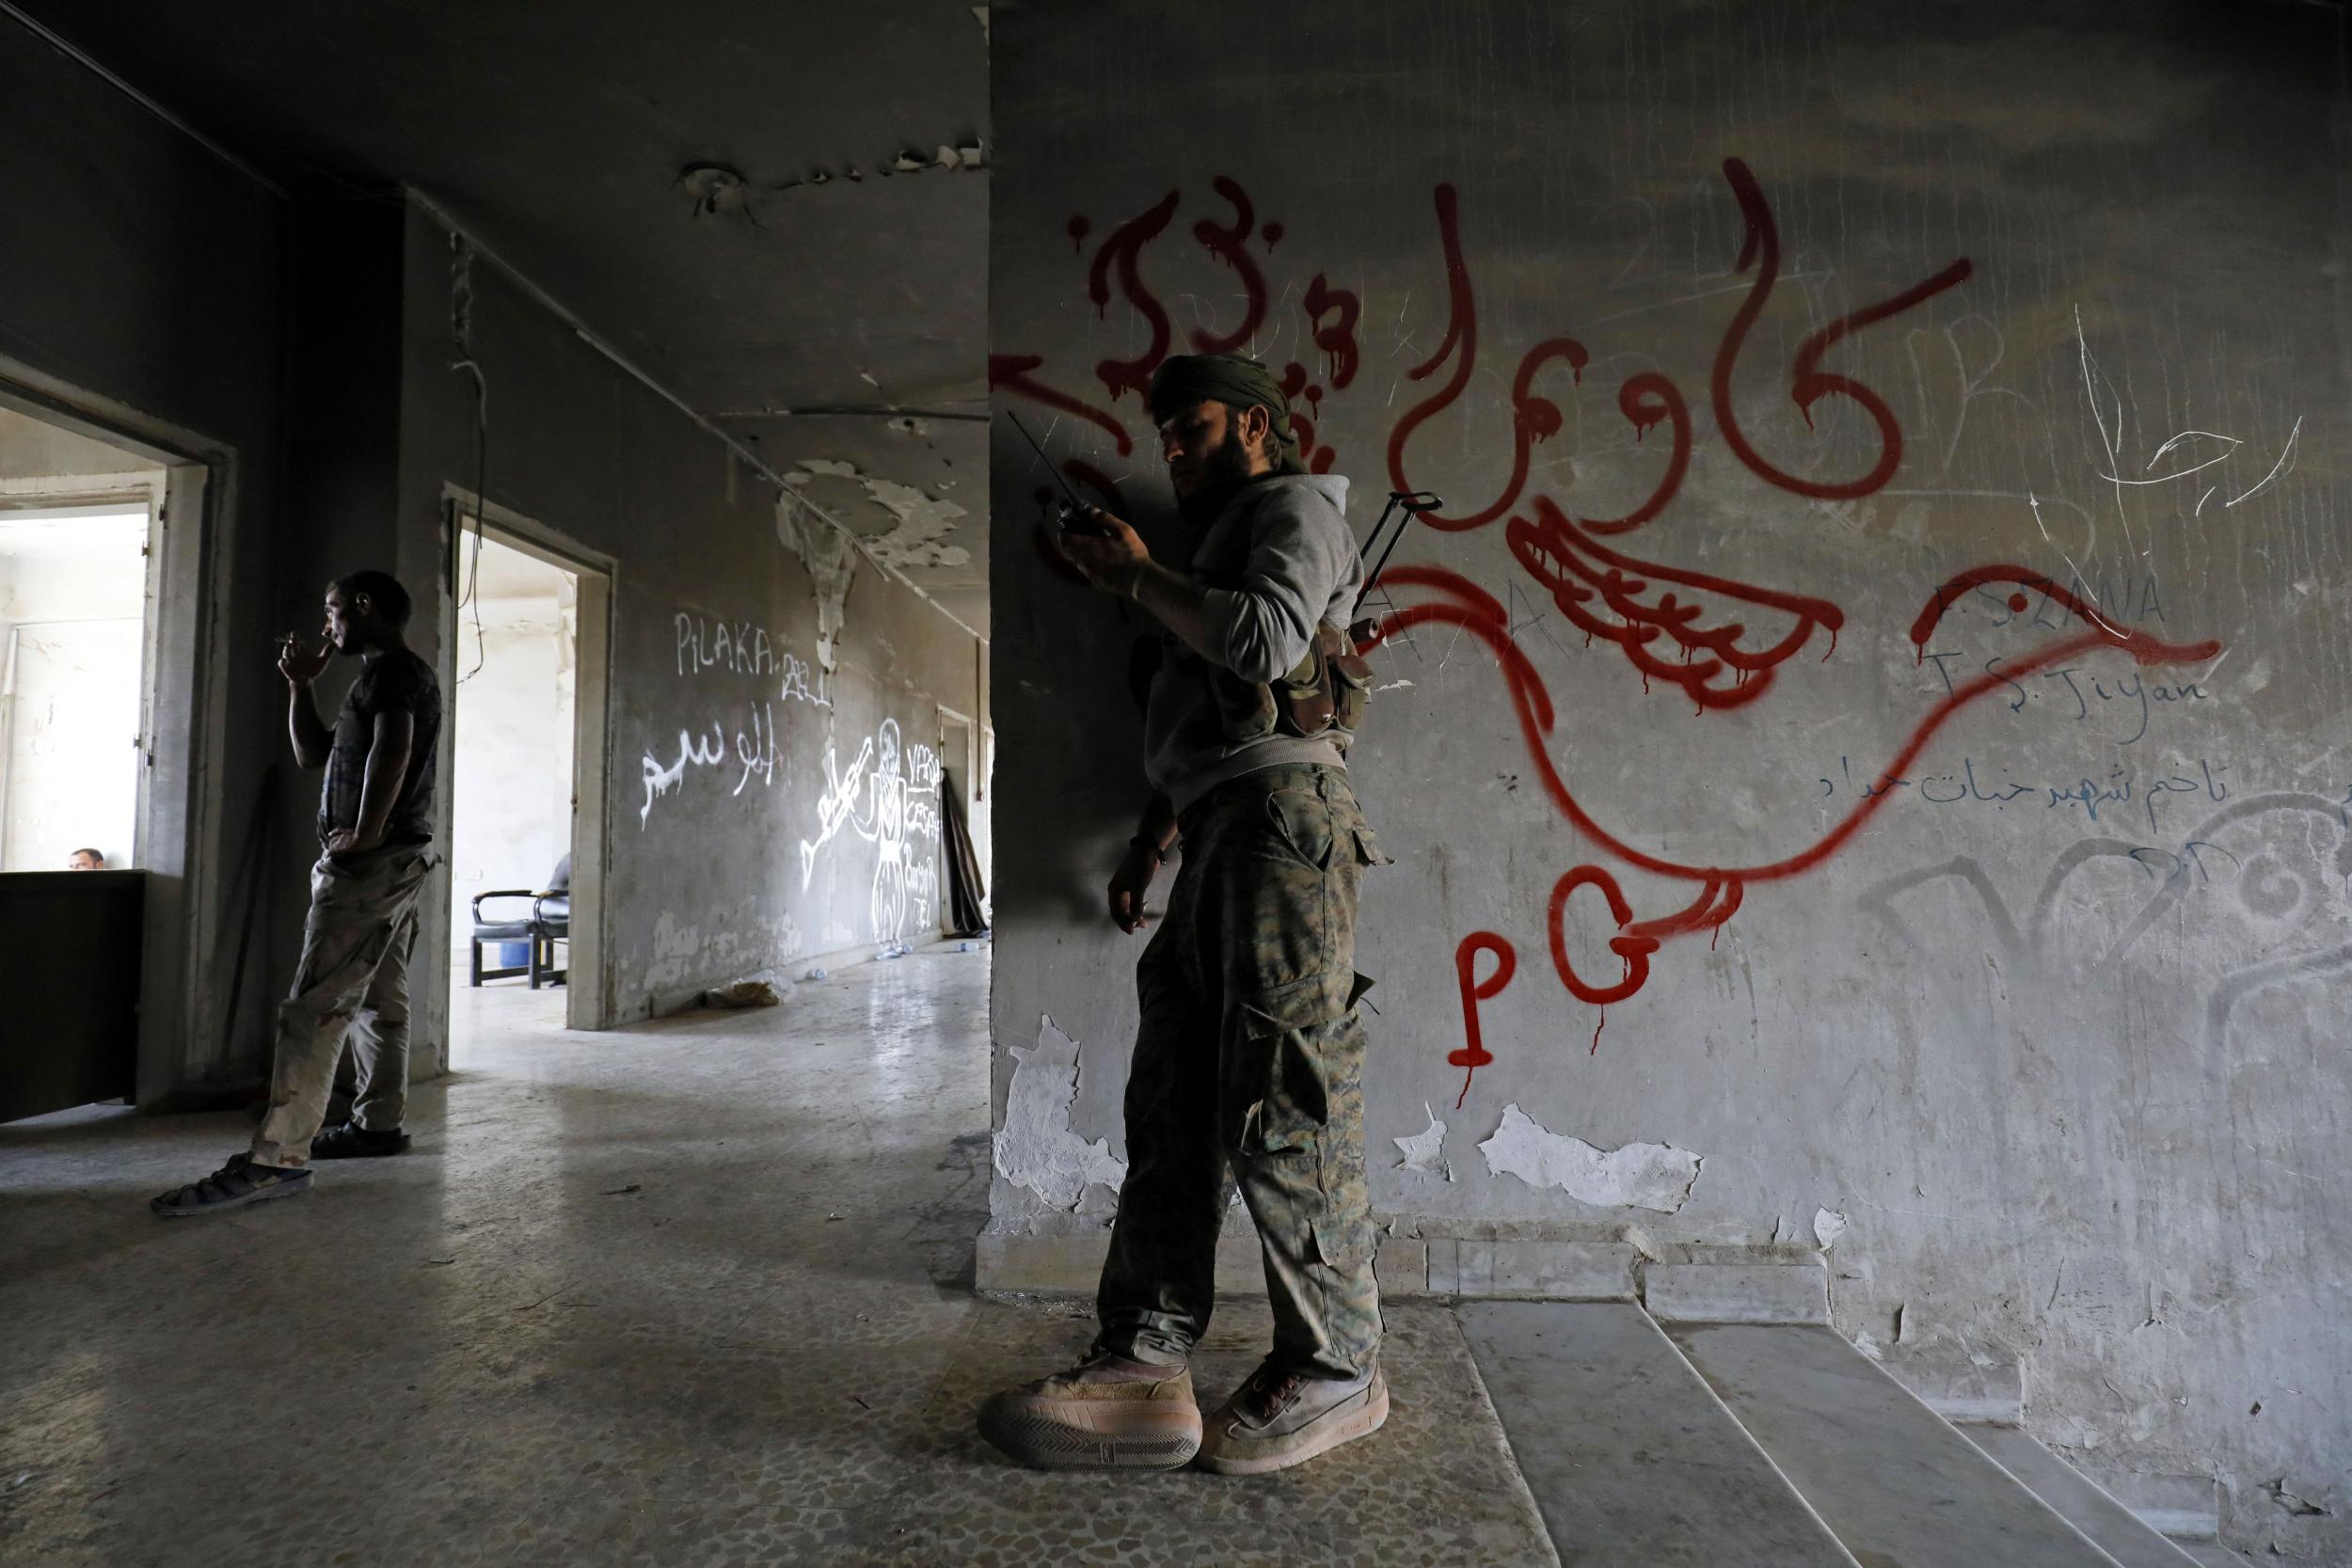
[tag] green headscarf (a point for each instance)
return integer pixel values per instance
(1233, 380)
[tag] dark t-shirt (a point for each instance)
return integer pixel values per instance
(394, 682)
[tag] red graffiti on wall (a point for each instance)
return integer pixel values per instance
(1689, 628)
(1337, 340)
(1229, 244)
(1533, 417)
(1474, 1056)
(1608, 594)
(1117, 271)
(1124, 251)
(1808, 384)
(1012, 373)
(1722, 888)
(1719, 641)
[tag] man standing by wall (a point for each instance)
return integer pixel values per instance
(1250, 1052)
(375, 831)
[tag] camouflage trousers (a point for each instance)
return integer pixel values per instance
(1250, 1057)
(353, 978)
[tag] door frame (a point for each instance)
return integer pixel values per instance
(588, 1001)
(177, 835)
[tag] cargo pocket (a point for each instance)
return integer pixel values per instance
(1306, 824)
(1277, 1073)
(1368, 848)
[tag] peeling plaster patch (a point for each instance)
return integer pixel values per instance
(825, 553)
(981, 11)
(924, 520)
(1870, 1346)
(674, 949)
(1828, 1225)
(1393, 686)
(1036, 1147)
(2300, 1507)
(1421, 1150)
(1640, 1176)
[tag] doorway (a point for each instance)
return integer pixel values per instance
(526, 765)
(963, 845)
(109, 695)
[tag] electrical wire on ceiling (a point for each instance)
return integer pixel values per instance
(461, 341)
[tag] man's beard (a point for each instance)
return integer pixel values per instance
(1228, 470)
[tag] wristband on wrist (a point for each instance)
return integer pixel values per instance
(1158, 855)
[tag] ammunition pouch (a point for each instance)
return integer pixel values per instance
(1323, 694)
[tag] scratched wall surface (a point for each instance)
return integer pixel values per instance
(770, 781)
(1867, 737)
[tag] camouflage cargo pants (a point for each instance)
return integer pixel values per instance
(353, 978)
(1250, 1056)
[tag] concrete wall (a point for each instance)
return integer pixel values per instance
(767, 804)
(144, 289)
(1992, 934)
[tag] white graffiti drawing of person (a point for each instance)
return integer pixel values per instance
(899, 817)
(887, 830)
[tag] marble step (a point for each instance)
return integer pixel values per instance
(2120, 1533)
(1895, 1482)
(1630, 1457)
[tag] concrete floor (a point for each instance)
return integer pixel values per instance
(692, 1293)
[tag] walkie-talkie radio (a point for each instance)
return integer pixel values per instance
(1070, 515)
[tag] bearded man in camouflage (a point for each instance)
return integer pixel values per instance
(1249, 1055)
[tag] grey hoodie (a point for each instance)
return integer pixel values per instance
(1280, 559)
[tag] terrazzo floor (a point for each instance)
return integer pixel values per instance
(692, 1293)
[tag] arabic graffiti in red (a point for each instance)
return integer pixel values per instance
(1689, 629)
(1716, 642)
(1116, 272)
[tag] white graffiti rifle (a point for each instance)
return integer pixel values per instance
(834, 807)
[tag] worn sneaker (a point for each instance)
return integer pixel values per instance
(1106, 1413)
(352, 1141)
(1279, 1418)
(234, 1185)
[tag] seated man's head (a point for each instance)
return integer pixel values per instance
(1223, 421)
(366, 610)
(85, 860)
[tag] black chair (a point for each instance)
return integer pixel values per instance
(549, 921)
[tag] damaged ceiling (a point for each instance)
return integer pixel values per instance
(768, 208)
